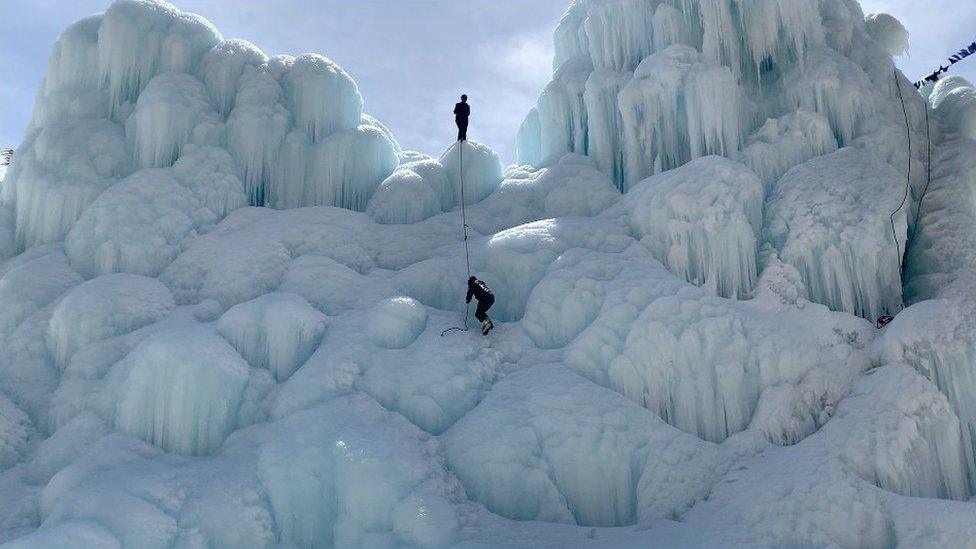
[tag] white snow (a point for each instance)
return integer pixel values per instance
(227, 294)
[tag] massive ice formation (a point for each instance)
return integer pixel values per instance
(683, 264)
(102, 308)
(703, 221)
(847, 247)
(648, 86)
(278, 331)
(954, 100)
(182, 390)
(160, 80)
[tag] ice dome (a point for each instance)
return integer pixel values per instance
(232, 305)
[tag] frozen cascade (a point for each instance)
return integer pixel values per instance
(141, 225)
(747, 34)
(173, 110)
(221, 69)
(703, 221)
(182, 390)
(102, 308)
(842, 247)
(138, 40)
(605, 131)
(144, 222)
(678, 107)
(936, 338)
(323, 98)
(834, 86)
(256, 129)
(59, 170)
(277, 331)
(561, 449)
(562, 114)
(528, 145)
(619, 33)
(784, 56)
(343, 169)
(782, 143)
(348, 473)
(709, 366)
(71, 89)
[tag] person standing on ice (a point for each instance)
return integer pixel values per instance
(461, 113)
(486, 299)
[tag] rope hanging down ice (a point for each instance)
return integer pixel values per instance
(903, 255)
(908, 178)
(464, 228)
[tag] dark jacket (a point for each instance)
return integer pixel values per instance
(479, 290)
(462, 110)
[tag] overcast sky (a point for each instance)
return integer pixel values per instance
(411, 58)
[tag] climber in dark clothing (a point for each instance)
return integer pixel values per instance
(461, 113)
(480, 291)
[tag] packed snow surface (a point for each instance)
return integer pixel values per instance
(224, 290)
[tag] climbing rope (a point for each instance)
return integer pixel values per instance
(928, 179)
(903, 256)
(464, 228)
(908, 182)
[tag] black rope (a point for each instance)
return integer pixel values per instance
(464, 228)
(908, 182)
(928, 179)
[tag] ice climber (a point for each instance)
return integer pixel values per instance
(461, 113)
(486, 299)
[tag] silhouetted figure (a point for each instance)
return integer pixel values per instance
(486, 299)
(461, 113)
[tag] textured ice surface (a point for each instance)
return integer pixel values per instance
(548, 445)
(104, 307)
(843, 246)
(887, 32)
(278, 331)
(703, 221)
(478, 165)
(178, 369)
(182, 390)
(14, 428)
(954, 101)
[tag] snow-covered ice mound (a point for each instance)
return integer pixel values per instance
(829, 218)
(703, 221)
(224, 291)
